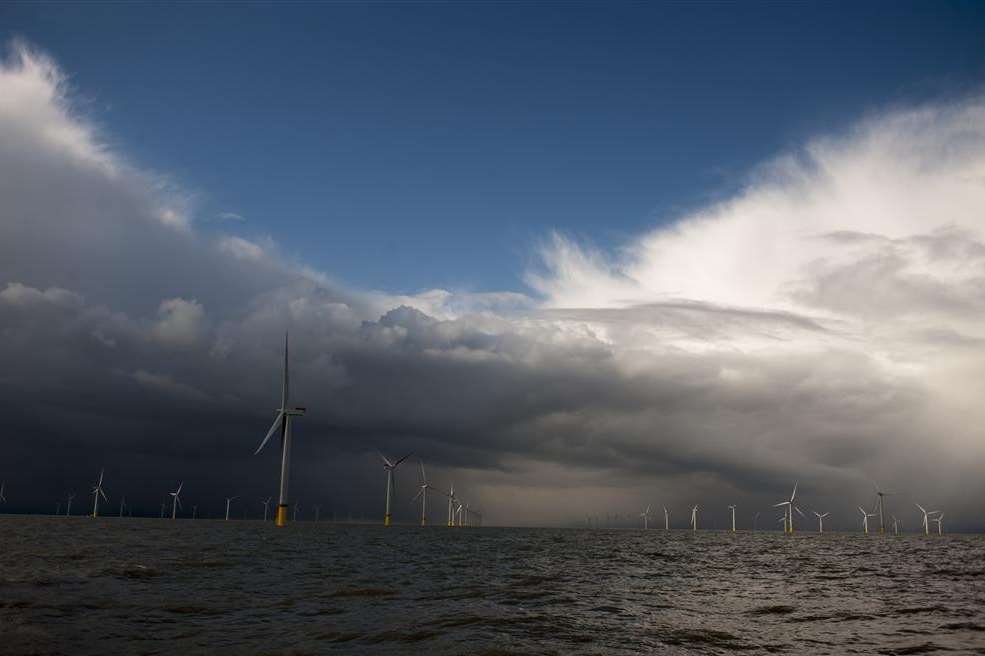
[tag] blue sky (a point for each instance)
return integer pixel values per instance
(403, 147)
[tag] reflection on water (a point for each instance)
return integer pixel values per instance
(78, 586)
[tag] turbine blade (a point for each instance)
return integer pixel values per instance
(402, 459)
(178, 501)
(386, 461)
(277, 420)
(103, 494)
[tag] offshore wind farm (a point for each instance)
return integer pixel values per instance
(492, 328)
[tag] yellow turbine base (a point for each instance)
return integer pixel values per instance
(424, 522)
(451, 523)
(386, 519)
(281, 519)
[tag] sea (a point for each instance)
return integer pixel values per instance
(79, 586)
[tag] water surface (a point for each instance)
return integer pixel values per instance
(147, 586)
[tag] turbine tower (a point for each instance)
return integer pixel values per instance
(283, 421)
(123, 504)
(3, 486)
(68, 508)
(645, 516)
(176, 500)
(451, 505)
(266, 506)
(666, 519)
(820, 521)
(940, 523)
(97, 492)
(732, 508)
(229, 500)
(389, 466)
(694, 518)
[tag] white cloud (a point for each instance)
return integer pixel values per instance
(180, 322)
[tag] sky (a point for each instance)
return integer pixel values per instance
(579, 258)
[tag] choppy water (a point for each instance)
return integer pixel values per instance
(141, 586)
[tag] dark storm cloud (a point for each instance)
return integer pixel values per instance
(134, 339)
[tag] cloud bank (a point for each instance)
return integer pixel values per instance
(824, 325)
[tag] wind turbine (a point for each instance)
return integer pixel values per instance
(423, 493)
(451, 505)
(790, 507)
(820, 521)
(458, 512)
(694, 518)
(266, 505)
(732, 508)
(865, 519)
(297, 506)
(3, 486)
(123, 504)
(881, 506)
(940, 523)
(283, 420)
(229, 500)
(755, 518)
(97, 491)
(68, 508)
(926, 515)
(389, 467)
(645, 515)
(895, 525)
(176, 500)
(666, 519)
(195, 512)
(58, 508)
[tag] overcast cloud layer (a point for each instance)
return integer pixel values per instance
(823, 325)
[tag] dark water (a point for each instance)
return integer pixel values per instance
(142, 586)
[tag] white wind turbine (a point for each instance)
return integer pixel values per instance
(666, 519)
(755, 519)
(926, 518)
(229, 500)
(895, 525)
(68, 508)
(423, 493)
(97, 492)
(451, 505)
(266, 507)
(820, 521)
(790, 507)
(123, 504)
(694, 518)
(881, 505)
(940, 523)
(732, 508)
(458, 511)
(283, 421)
(865, 519)
(389, 466)
(645, 516)
(297, 506)
(176, 500)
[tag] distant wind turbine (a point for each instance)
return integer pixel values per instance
(940, 523)
(389, 466)
(790, 507)
(68, 508)
(97, 492)
(283, 420)
(423, 494)
(195, 512)
(645, 516)
(926, 518)
(895, 525)
(865, 519)
(229, 500)
(881, 506)
(266, 505)
(297, 506)
(123, 504)
(176, 500)
(732, 508)
(755, 519)
(666, 519)
(694, 518)
(820, 521)
(3, 487)
(451, 505)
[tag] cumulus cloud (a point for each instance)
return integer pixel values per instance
(822, 324)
